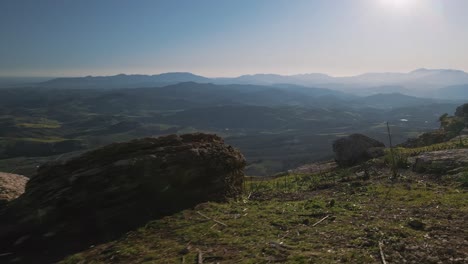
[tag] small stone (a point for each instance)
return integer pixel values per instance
(184, 251)
(416, 224)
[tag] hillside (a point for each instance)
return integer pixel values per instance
(393, 100)
(186, 199)
(454, 92)
(354, 215)
(277, 127)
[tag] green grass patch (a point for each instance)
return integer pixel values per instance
(279, 230)
(455, 143)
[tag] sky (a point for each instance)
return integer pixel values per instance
(223, 38)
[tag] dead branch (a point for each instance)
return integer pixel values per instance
(212, 219)
(200, 257)
(382, 256)
(321, 220)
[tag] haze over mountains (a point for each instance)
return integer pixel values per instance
(278, 121)
(435, 83)
(277, 127)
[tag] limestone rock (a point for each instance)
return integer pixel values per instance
(11, 186)
(103, 193)
(356, 148)
(442, 161)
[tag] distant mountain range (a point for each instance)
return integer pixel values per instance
(435, 83)
(125, 81)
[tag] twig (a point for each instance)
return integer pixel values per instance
(200, 257)
(321, 220)
(382, 256)
(212, 219)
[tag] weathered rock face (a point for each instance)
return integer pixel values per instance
(356, 148)
(11, 186)
(442, 161)
(105, 192)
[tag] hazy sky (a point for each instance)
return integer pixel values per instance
(231, 37)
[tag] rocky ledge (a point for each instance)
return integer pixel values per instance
(95, 197)
(444, 161)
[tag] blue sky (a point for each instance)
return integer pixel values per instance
(230, 37)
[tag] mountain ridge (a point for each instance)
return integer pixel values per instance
(419, 82)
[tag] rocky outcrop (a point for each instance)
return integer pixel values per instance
(462, 111)
(356, 148)
(11, 186)
(105, 192)
(426, 139)
(443, 161)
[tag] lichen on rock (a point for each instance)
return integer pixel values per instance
(11, 186)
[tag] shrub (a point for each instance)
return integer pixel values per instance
(401, 159)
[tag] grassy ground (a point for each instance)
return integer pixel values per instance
(457, 142)
(38, 123)
(336, 217)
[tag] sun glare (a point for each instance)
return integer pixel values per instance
(400, 4)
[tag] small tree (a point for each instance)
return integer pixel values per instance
(394, 166)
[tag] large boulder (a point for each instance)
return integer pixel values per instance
(11, 186)
(356, 148)
(443, 161)
(95, 197)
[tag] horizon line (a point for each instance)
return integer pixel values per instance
(232, 76)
